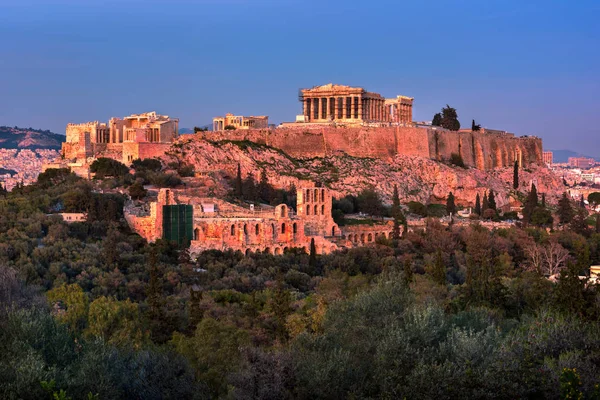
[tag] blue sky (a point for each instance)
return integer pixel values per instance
(529, 67)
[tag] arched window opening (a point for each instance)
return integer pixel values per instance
(295, 228)
(283, 228)
(307, 210)
(245, 229)
(323, 195)
(282, 211)
(323, 209)
(197, 234)
(256, 229)
(316, 210)
(232, 230)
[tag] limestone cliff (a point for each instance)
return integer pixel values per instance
(419, 179)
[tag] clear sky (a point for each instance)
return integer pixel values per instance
(529, 67)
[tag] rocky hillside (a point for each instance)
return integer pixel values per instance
(28, 138)
(418, 179)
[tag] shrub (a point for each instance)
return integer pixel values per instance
(414, 207)
(457, 160)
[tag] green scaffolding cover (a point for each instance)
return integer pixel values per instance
(178, 223)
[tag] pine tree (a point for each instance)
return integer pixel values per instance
(516, 176)
(582, 202)
(312, 260)
(264, 189)
(492, 200)
(477, 205)
(579, 223)
(437, 120)
(530, 204)
(238, 182)
(475, 127)
(397, 214)
(543, 200)
(408, 272)
(485, 205)
(439, 269)
(450, 206)
(450, 118)
(565, 210)
(249, 192)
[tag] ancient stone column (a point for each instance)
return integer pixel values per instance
(352, 107)
(323, 108)
(360, 106)
(344, 100)
(304, 108)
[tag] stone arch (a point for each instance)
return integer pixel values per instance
(277, 251)
(247, 252)
(283, 227)
(267, 250)
(295, 228)
(316, 195)
(333, 230)
(308, 210)
(285, 249)
(307, 196)
(282, 213)
(256, 229)
(323, 195)
(356, 237)
(323, 209)
(316, 210)
(197, 234)
(362, 237)
(370, 237)
(245, 229)
(232, 230)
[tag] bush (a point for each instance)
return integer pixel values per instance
(103, 167)
(229, 128)
(457, 160)
(414, 207)
(148, 164)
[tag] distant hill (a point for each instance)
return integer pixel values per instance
(562, 156)
(29, 138)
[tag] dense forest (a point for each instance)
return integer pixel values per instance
(89, 310)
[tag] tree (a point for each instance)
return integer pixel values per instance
(397, 214)
(581, 202)
(264, 189)
(137, 191)
(238, 182)
(541, 217)
(543, 200)
(115, 322)
(594, 198)
(249, 190)
(70, 305)
(456, 159)
(312, 259)
(516, 175)
(485, 204)
(565, 210)
(103, 167)
(229, 128)
(369, 202)
(530, 204)
(579, 223)
(450, 206)
(437, 120)
(450, 118)
(438, 269)
(491, 200)
(475, 127)
(408, 272)
(477, 205)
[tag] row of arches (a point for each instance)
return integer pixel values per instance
(369, 237)
(278, 250)
(314, 195)
(315, 210)
(247, 230)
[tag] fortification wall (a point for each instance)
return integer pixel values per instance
(480, 150)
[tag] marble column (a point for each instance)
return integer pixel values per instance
(360, 106)
(304, 108)
(344, 99)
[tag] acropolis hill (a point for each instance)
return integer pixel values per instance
(336, 120)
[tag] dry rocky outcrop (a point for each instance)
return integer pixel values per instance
(418, 179)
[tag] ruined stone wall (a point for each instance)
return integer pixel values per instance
(133, 150)
(480, 150)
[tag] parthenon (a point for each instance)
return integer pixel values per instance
(353, 105)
